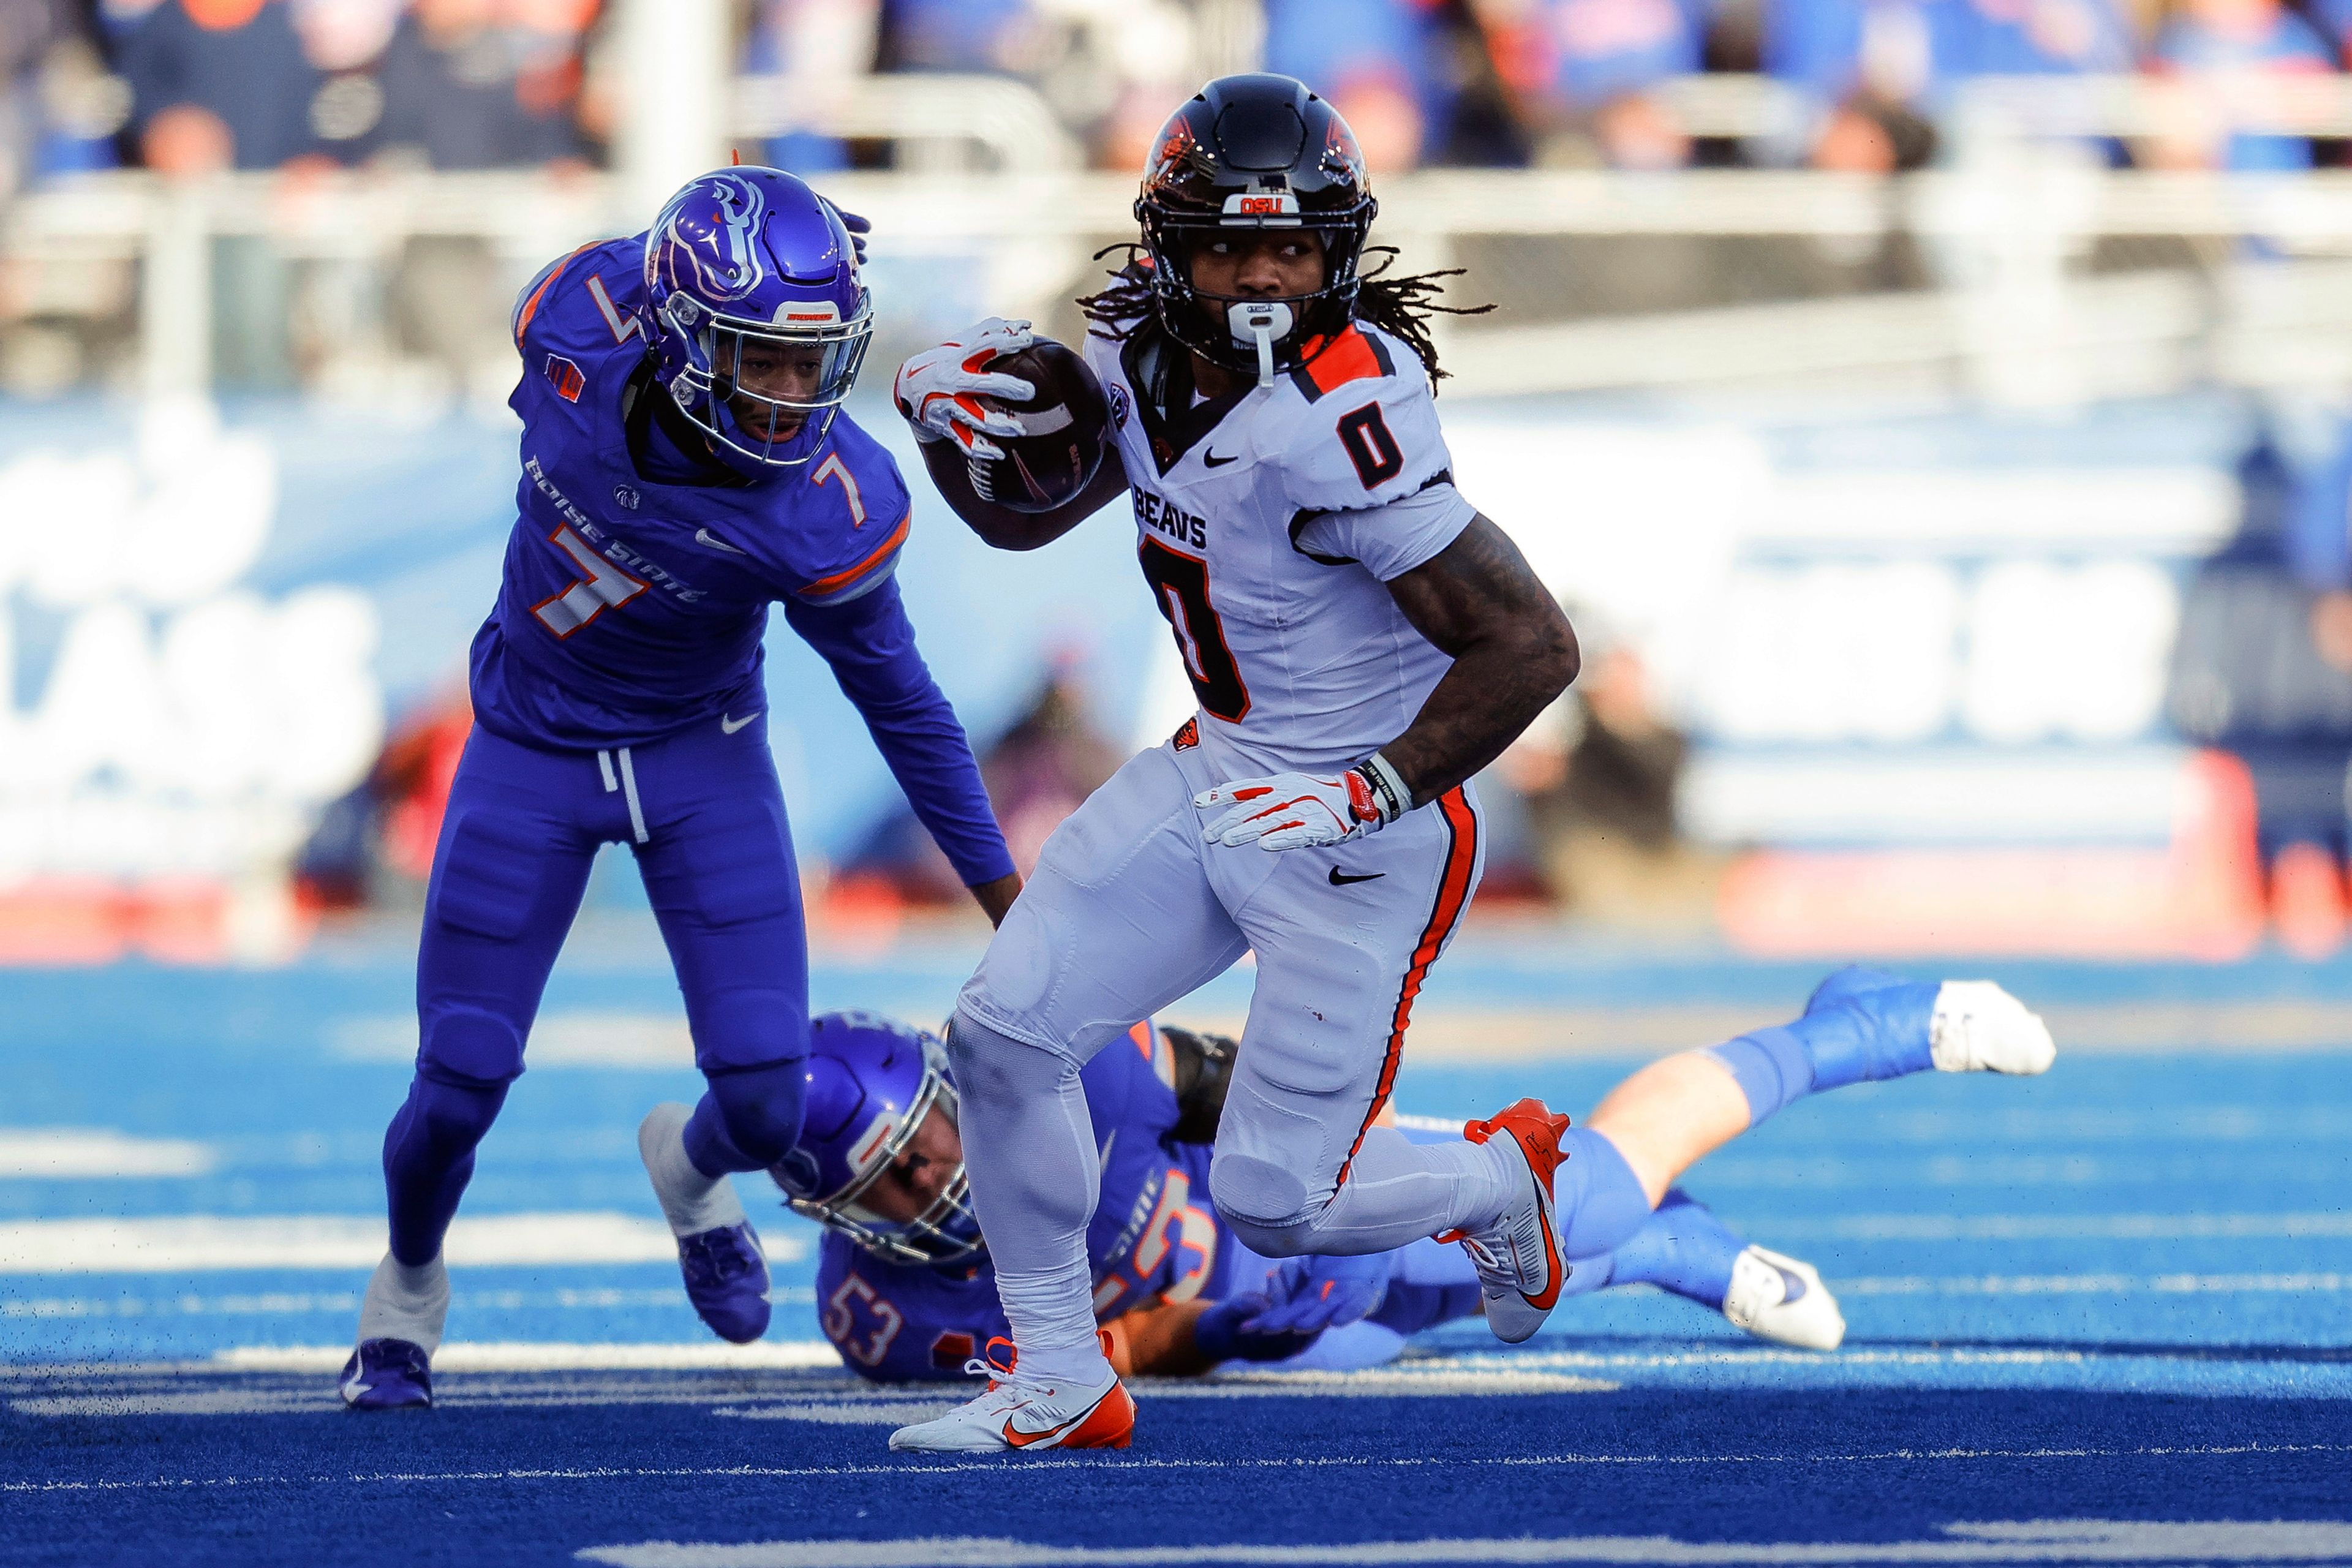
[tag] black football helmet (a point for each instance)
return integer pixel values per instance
(1258, 151)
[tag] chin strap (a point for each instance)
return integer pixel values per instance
(1259, 323)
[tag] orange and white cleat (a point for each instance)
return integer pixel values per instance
(1520, 1263)
(1015, 1414)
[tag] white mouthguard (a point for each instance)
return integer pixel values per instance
(1259, 323)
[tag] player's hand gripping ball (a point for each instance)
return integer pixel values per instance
(1031, 417)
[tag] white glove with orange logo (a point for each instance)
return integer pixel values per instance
(1304, 811)
(939, 390)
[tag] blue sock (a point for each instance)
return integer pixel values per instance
(428, 1158)
(749, 1119)
(1861, 1025)
(1685, 1248)
(1599, 1201)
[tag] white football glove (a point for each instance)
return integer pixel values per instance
(939, 390)
(1302, 811)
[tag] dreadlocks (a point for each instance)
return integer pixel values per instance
(1401, 307)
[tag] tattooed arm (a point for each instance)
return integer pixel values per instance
(1513, 651)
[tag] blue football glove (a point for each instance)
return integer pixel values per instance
(1222, 1334)
(1311, 1294)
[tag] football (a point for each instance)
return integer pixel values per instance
(1066, 422)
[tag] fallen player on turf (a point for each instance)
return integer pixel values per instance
(904, 1290)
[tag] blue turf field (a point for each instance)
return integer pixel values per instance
(2092, 1315)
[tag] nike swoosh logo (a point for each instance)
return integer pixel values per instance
(1340, 879)
(728, 726)
(1211, 460)
(704, 537)
(1792, 1286)
(1021, 1439)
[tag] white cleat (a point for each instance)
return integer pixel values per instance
(1979, 1027)
(1520, 1263)
(1010, 1415)
(1782, 1300)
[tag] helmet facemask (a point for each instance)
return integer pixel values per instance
(1251, 334)
(947, 1230)
(767, 391)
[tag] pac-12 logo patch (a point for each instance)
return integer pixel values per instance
(626, 496)
(566, 378)
(1117, 404)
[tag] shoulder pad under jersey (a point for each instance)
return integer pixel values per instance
(857, 514)
(1363, 430)
(582, 302)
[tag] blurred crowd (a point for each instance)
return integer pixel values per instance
(195, 85)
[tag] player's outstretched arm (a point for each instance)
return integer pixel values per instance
(1001, 526)
(1513, 649)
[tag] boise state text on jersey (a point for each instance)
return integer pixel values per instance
(632, 608)
(1154, 1237)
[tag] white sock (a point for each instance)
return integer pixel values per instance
(1030, 1147)
(690, 1201)
(405, 1302)
(1399, 1192)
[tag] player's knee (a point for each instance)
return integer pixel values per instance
(990, 1064)
(1265, 1203)
(761, 1109)
(447, 1114)
(467, 1045)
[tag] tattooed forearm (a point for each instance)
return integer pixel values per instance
(1513, 651)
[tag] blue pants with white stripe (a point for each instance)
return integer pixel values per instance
(704, 815)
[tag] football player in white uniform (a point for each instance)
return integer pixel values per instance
(1361, 641)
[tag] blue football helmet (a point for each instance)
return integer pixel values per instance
(871, 1082)
(757, 318)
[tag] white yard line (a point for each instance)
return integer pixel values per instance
(98, 1154)
(994, 1466)
(2053, 1540)
(183, 1243)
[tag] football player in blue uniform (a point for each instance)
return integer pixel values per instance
(904, 1291)
(685, 464)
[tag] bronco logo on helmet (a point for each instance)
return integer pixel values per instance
(710, 227)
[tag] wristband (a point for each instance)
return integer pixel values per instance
(1391, 795)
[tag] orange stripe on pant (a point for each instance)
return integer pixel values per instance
(1452, 897)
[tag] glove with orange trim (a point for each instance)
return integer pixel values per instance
(939, 390)
(1312, 1294)
(1304, 810)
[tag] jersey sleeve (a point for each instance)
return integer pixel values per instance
(858, 482)
(1130, 1086)
(902, 1325)
(1391, 538)
(1366, 432)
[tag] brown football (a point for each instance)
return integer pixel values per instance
(1068, 422)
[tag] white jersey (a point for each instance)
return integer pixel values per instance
(1267, 525)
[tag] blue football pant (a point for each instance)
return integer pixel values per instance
(703, 814)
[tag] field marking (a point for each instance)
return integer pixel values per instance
(98, 1154)
(2095, 1284)
(997, 1466)
(338, 1303)
(551, 1355)
(187, 1244)
(2324, 1224)
(2046, 1541)
(613, 1040)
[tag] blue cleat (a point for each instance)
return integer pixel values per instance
(387, 1374)
(727, 1280)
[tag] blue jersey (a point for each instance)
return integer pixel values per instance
(1154, 1237)
(632, 608)
(633, 604)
